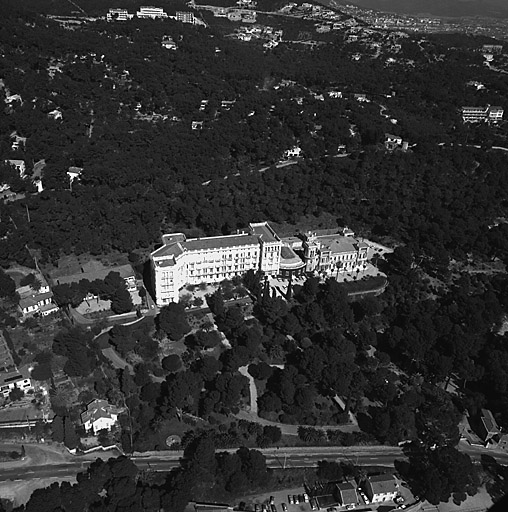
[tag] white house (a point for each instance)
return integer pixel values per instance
(39, 300)
(381, 488)
(99, 415)
(294, 152)
(335, 94)
(15, 379)
(19, 165)
(392, 141)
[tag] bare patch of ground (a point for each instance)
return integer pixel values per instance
(19, 492)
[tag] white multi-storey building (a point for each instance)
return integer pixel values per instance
(333, 254)
(181, 261)
(481, 114)
(118, 15)
(151, 12)
(495, 114)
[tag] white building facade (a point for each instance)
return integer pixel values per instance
(181, 261)
(151, 12)
(99, 415)
(118, 15)
(333, 254)
(185, 261)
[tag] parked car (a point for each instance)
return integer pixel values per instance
(284, 508)
(273, 508)
(296, 500)
(313, 504)
(257, 507)
(306, 497)
(290, 499)
(272, 500)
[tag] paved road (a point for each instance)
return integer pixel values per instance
(276, 458)
(165, 461)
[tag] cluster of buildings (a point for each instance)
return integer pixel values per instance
(182, 261)
(36, 300)
(492, 48)
(150, 12)
(273, 36)
(10, 376)
(372, 490)
(482, 114)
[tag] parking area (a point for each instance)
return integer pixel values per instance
(323, 497)
(280, 502)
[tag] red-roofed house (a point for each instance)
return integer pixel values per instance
(99, 415)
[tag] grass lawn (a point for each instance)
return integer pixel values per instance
(478, 502)
(16, 276)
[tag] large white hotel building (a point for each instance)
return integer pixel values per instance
(182, 261)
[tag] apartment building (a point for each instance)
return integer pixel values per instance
(185, 17)
(482, 114)
(151, 12)
(118, 15)
(182, 261)
(492, 48)
(495, 114)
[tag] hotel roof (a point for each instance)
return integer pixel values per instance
(337, 243)
(172, 250)
(220, 242)
(265, 231)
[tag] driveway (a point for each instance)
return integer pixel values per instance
(290, 430)
(116, 360)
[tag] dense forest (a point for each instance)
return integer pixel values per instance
(109, 100)
(127, 105)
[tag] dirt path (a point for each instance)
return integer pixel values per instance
(290, 430)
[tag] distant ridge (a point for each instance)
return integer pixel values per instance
(445, 8)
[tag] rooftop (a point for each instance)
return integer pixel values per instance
(347, 493)
(33, 300)
(220, 242)
(98, 409)
(265, 231)
(173, 249)
(337, 243)
(383, 484)
(289, 259)
(15, 375)
(93, 270)
(489, 421)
